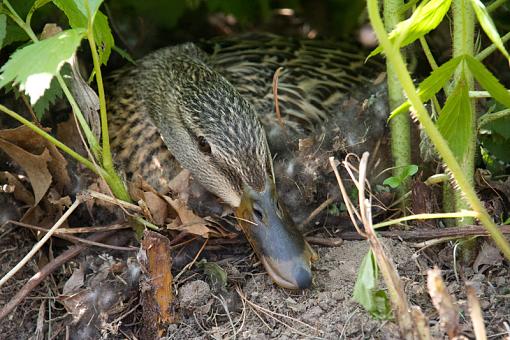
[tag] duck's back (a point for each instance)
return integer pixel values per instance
(317, 76)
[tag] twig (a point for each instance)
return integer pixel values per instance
(47, 270)
(326, 242)
(273, 315)
(317, 211)
(77, 230)
(275, 96)
(114, 201)
(75, 239)
(41, 242)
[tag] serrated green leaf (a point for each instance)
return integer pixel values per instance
(488, 26)
(432, 84)
(13, 33)
(53, 93)
(488, 81)
(77, 14)
(423, 20)
(3, 28)
(455, 120)
(32, 67)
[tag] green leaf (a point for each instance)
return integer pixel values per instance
(488, 26)
(393, 182)
(77, 14)
(366, 281)
(455, 120)
(3, 28)
(32, 67)
(423, 20)
(216, 274)
(409, 171)
(432, 84)
(396, 181)
(53, 93)
(488, 81)
(374, 301)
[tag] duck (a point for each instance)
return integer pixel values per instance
(209, 108)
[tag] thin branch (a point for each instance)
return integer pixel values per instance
(41, 242)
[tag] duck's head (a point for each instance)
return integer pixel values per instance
(215, 134)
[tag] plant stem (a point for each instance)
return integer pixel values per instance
(464, 213)
(50, 138)
(107, 155)
(399, 125)
(491, 48)
(463, 44)
(394, 56)
(490, 117)
(493, 6)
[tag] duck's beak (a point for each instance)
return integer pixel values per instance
(282, 249)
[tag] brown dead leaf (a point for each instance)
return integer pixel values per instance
(18, 189)
(76, 281)
(180, 185)
(31, 142)
(443, 302)
(489, 255)
(157, 296)
(36, 167)
(189, 222)
(157, 207)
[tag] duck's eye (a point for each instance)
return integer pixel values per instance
(203, 145)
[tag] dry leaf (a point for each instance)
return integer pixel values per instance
(489, 255)
(157, 206)
(75, 281)
(190, 222)
(31, 142)
(443, 302)
(35, 166)
(180, 185)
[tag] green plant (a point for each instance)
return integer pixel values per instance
(407, 172)
(454, 132)
(32, 68)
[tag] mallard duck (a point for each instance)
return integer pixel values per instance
(201, 108)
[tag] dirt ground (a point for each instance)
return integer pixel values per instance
(250, 306)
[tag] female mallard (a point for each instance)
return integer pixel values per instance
(183, 107)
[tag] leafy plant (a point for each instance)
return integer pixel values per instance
(32, 68)
(406, 173)
(454, 133)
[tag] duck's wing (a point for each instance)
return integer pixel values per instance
(316, 76)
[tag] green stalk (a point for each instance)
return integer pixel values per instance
(114, 181)
(399, 125)
(107, 155)
(395, 58)
(463, 44)
(91, 139)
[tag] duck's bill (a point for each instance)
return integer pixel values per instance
(281, 248)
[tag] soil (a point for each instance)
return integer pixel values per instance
(250, 306)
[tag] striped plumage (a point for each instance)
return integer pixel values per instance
(197, 108)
